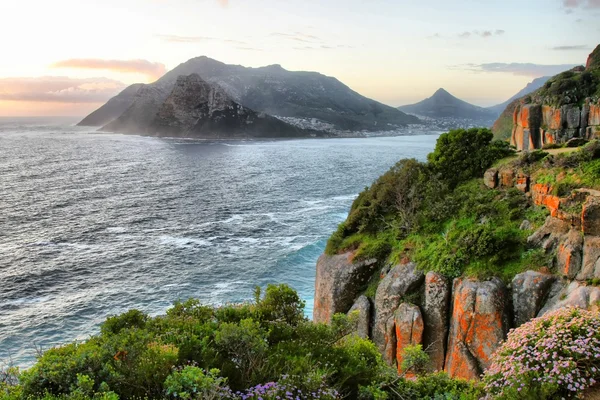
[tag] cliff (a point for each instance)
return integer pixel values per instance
(304, 98)
(567, 106)
(455, 267)
(196, 108)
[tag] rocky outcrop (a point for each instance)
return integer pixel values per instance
(409, 329)
(436, 308)
(478, 325)
(559, 111)
(569, 255)
(575, 294)
(338, 282)
(361, 310)
(591, 259)
(400, 281)
(529, 291)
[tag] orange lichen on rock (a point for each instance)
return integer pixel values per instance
(477, 326)
(409, 329)
(541, 197)
(524, 117)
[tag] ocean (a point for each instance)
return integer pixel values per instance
(95, 224)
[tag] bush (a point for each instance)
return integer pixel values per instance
(193, 383)
(555, 356)
(461, 154)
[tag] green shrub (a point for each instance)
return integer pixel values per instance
(194, 383)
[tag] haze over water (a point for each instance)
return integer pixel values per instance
(96, 224)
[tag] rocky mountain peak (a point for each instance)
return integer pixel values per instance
(442, 92)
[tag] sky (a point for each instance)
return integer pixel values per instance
(67, 57)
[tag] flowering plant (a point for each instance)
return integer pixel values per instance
(285, 391)
(554, 356)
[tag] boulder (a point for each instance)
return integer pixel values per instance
(409, 329)
(590, 216)
(574, 294)
(401, 280)
(362, 308)
(338, 282)
(549, 235)
(389, 347)
(591, 259)
(507, 177)
(529, 290)
(436, 310)
(525, 225)
(568, 257)
(490, 178)
(478, 325)
(572, 115)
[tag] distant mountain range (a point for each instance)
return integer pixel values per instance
(530, 88)
(444, 105)
(296, 97)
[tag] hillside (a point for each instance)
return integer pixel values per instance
(432, 251)
(198, 109)
(567, 106)
(272, 90)
(444, 105)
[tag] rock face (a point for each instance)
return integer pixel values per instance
(536, 125)
(573, 295)
(338, 282)
(113, 108)
(529, 290)
(196, 108)
(401, 280)
(591, 259)
(301, 97)
(478, 324)
(362, 307)
(558, 111)
(409, 329)
(436, 309)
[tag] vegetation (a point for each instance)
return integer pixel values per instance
(442, 219)
(265, 349)
(555, 356)
(570, 87)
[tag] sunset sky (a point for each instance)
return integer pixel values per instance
(66, 57)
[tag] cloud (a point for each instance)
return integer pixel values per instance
(59, 89)
(589, 4)
(145, 67)
(199, 39)
(519, 69)
(483, 34)
(298, 37)
(571, 47)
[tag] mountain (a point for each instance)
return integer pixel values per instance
(530, 88)
(567, 106)
(443, 105)
(196, 108)
(297, 96)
